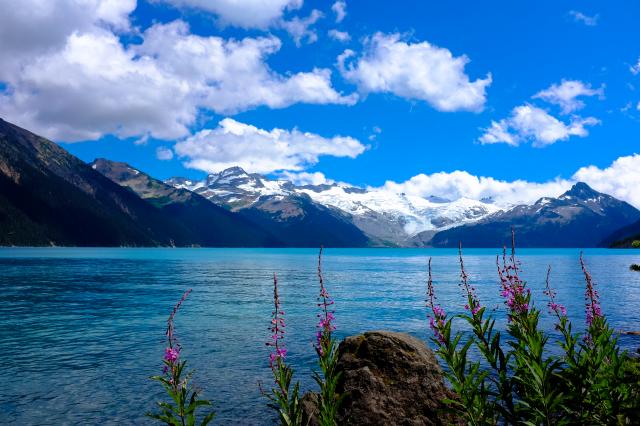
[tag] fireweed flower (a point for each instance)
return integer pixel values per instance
(276, 328)
(473, 303)
(171, 338)
(184, 398)
(513, 288)
(558, 309)
(171, 354)
(326, 316)
(438, 319)
(591, 296)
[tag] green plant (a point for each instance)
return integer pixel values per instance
(284, 400)
(184, 399)
(518, 382)
(326, 347)
(635, 244)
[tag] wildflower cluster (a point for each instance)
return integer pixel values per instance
(513, 288)
(181, 411)
(589, 383)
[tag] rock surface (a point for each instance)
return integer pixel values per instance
(389, 379)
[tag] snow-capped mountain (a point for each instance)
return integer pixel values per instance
(386, 217)
(581, 217)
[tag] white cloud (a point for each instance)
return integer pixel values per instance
(374, 133)
(530, 123)
(635, 69)
(340, 9)
(419, 71)
(163, 153)
(86, 84)
(243, 13)
(590, 21)
(93, 86)
(259, 14)
(300, 28)
(566, 94)
(621, 179)
(306, 178)
(233, 75)
(462, 184)
(262, 151)
(342, 36)
(36, 27)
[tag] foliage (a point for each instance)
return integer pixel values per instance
(518, 382)
(635, 244)
(184, 398)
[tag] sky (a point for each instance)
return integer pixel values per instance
(503, 99)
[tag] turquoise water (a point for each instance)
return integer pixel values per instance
(83, 329)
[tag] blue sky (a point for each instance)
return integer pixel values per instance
(390, 100)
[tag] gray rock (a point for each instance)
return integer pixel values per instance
(389, 379)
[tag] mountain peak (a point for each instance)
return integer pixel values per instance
(580, 190)
(233, 171)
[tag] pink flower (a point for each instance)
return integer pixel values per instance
(513, 288)
(473, 301)
(277, 327)
(592, 303)
(171, 354)
(326, 317)
(438, 319)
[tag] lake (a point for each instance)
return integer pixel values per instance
(84, 328)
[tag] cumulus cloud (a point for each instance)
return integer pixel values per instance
(163, 153)
(259, 14)
(340, 9)
(262, 151)
(530, 123)
(94, 86)
(39, 26)
(342, 36)
(84, 83)
(419, 71)
(566, 94)
(620, 179)
(233, 75)
(590, 21)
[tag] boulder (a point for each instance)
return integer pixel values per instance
(389, 379)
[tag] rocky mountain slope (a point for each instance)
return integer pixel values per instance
(581, 217)
(211, 225)
(49, 197)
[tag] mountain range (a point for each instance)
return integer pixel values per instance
(50, 197)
